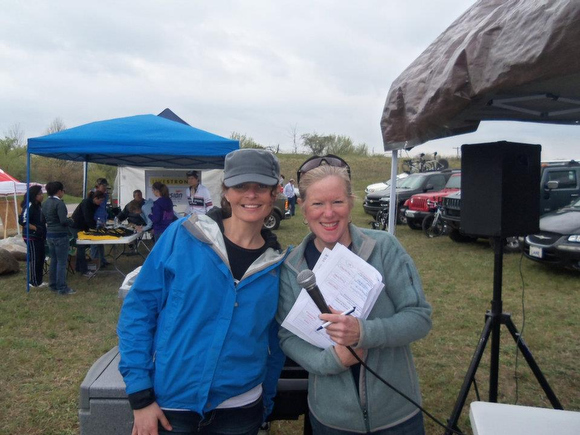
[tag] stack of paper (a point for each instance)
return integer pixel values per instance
(346, 281)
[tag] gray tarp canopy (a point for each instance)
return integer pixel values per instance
(516, 60)
(513, 60)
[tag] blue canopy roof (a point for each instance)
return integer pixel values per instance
(142, 140)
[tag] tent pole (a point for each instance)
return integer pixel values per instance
(27, 229)
(393, 209)
(85, 176)
(16, 210)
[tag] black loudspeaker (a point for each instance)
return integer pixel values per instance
(500, 189)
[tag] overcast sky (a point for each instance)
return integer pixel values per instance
(259, 68)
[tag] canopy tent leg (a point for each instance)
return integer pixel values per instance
(393, 209)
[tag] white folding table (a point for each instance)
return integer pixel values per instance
(115, 244)
(501, 419)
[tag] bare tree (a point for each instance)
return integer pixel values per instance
(15, 133)
(55, 126)
(293, 133)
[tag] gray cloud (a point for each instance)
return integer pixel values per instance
(255, 67)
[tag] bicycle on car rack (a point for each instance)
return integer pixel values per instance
(421, 164)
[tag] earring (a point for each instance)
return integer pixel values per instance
(305, 222)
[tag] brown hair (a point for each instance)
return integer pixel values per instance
(133, 206)
(161, 188)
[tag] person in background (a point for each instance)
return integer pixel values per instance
(162, 211)
(343, 397)
(197, 335)
(291, 195)
(98, 251)
(57, 237)
(84, 219)
(35, 235)
(198, 196)
(132, 218)
(135, 208)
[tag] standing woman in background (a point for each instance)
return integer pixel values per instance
(57, 237)
(35, 235)
(162, 212)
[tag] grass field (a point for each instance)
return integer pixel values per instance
(48, 343)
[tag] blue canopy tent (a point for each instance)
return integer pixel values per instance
(142, 141)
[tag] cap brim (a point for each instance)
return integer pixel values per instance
(250, 178)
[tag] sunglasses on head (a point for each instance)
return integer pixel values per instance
(316, 161)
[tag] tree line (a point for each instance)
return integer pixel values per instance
(313, 143)
(13, 150)
(43, 169)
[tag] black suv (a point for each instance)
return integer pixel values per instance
(414, 183)
(560, 185)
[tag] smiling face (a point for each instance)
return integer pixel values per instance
(326, 208)
(250, 202)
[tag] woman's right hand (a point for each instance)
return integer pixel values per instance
(145, 420)
(346, 358)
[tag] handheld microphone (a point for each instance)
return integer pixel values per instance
(307, 280)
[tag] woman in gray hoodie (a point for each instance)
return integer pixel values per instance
(57, 237)
(343, 397)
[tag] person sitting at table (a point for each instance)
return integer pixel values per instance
(133, 218)
(84, 219)
(135, 208)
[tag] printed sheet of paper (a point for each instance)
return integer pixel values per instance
(345, 281)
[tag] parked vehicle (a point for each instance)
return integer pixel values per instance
(413, 184)
(422, 205)
(280, 211)
(560, 185)
(383, 185)
(558, 242)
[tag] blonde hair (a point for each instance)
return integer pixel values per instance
(321, 172)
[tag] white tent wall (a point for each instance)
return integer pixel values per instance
(131, 178)
(9, 191)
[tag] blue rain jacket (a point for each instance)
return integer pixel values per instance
(189, 331)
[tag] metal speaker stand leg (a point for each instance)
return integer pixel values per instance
(494, 319)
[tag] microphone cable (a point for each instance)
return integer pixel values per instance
(384, 381)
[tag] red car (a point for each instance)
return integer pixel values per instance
(421, 205)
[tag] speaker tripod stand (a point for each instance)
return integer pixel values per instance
(494, 319)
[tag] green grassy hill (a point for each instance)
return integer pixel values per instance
(48, 343)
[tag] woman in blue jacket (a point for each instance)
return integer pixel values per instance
(197, 335)
(162, 211)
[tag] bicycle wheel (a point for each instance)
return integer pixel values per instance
(431, 227)
(442, 164)
(382, 220)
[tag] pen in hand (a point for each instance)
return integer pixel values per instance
(327, 324)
